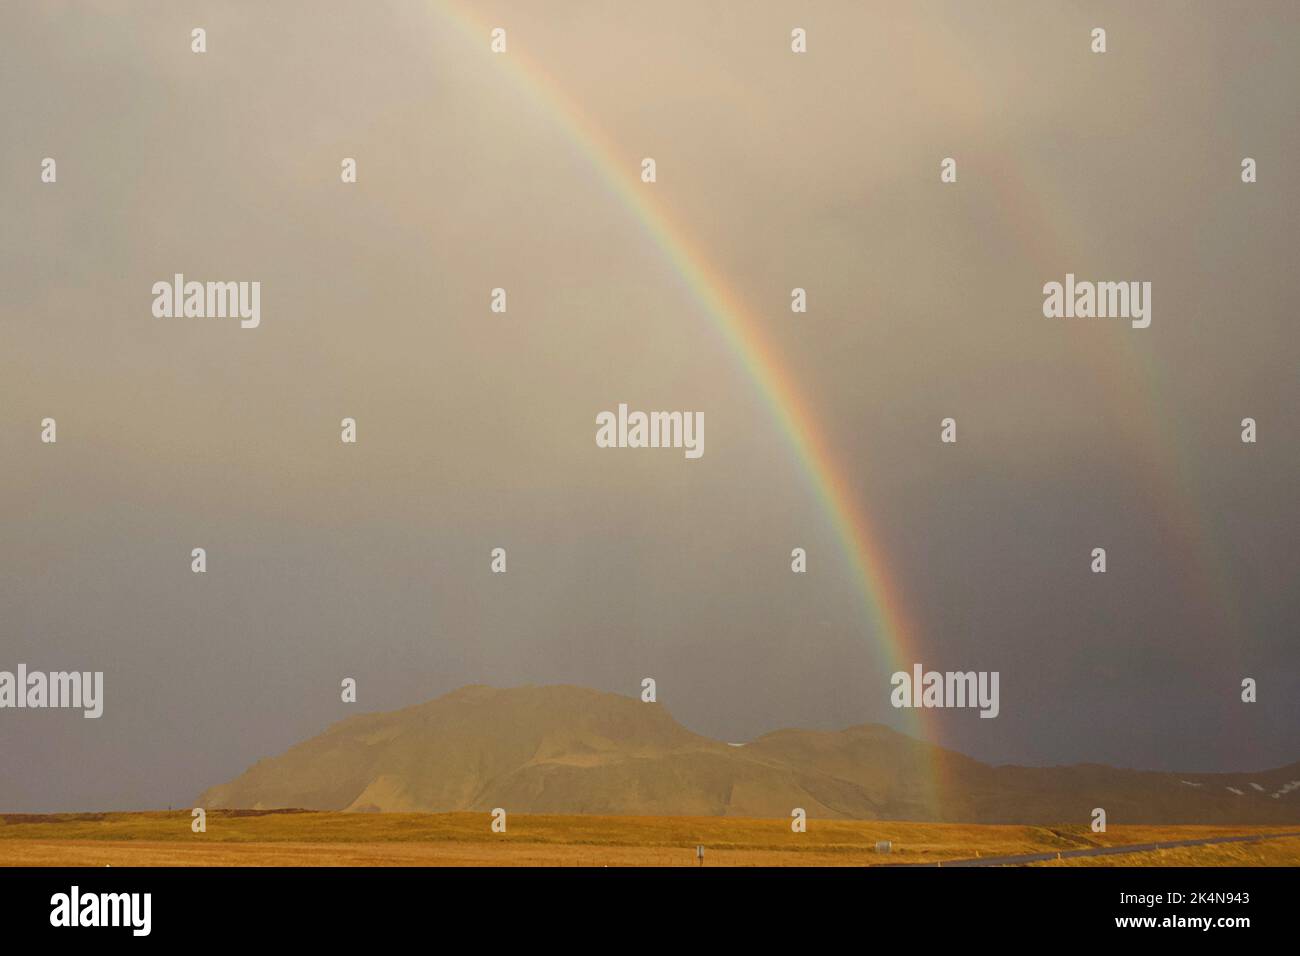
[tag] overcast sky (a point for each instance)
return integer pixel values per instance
(477, 430)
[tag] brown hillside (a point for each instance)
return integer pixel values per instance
(572, 750)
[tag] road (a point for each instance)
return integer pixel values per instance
(1104, 851)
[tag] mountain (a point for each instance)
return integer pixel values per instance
(572, 750)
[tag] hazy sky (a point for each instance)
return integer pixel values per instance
(477, 430)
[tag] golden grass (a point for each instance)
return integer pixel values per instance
(236, 838)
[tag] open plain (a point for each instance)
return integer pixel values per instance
(309, 838)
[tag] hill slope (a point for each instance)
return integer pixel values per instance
(572, 750)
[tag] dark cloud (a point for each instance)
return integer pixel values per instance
(477, 430)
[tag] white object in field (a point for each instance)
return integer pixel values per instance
(884, 846)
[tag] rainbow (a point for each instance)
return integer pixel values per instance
(1040, 215)
(830, 482)
(1038, 208)
(1028, 197)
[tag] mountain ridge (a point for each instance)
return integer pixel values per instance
(569, 749)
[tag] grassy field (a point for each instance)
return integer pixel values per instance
(296, 838)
